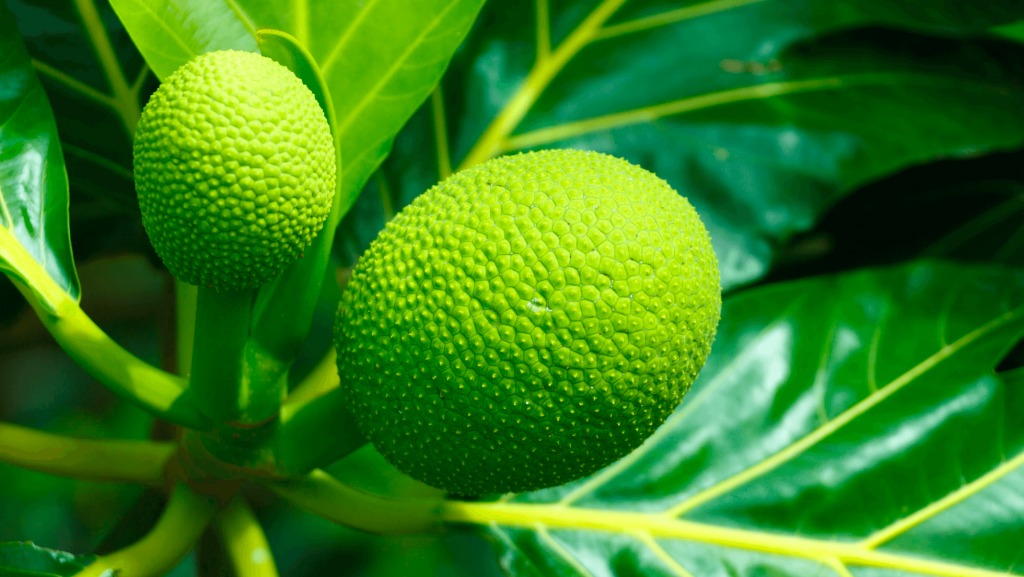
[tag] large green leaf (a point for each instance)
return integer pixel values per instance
(734, 102)
(170, 32)
(35, 245)
(841, 423)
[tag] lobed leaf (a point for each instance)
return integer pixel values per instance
(35, 244)
(841, 423)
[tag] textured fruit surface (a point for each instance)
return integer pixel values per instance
(528, 321)
(235, 169)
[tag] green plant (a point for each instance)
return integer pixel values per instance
(852, 418)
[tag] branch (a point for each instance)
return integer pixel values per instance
(174, 535)
(95, 460)
(244, 541)
(325, 496)
(134, 380)
(316, 433)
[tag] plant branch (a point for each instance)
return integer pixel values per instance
(94, 460)
(244, 541)
(323, 495)
(162, 394)
(320, 381)
(317, 433)
(176, 532)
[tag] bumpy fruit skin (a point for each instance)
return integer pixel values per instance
(528, 321)
(235, 169)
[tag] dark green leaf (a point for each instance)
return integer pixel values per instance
(28, 559)
(96, 82)
(35, 245)
(1013, 31)
(840, 423)
(733, 102)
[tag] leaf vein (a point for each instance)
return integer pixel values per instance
(842, 419)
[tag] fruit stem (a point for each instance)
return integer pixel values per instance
(317, 433)
(325, 496)
(222, 329)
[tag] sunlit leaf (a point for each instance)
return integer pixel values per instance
(381, 59)
(35, 246)
(172, 32)
(840, 423)
(747, 107)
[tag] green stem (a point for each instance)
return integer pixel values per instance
(130, 378)
(187, 515)
(94, 460)
(185, 296)
(221, 331)
(317, 433)
(266, 380)
(325, 496)
(321, 380)
(243, 539)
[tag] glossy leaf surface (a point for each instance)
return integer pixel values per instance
(27, 559)
(762, 112)
(840, 423)
(34, 238)
(171, 32)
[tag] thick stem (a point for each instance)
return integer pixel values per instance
(325, 496)
(180, 526)
(185, 296)
(94, 460)
(243, 540)
(221, 332)
(317, 433)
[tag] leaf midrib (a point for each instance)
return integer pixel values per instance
(833, 425)
(566, 130)
(660, 525)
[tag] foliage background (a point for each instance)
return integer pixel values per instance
(910, 182)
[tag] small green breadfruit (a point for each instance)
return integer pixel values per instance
(528, 321)
(234, 168)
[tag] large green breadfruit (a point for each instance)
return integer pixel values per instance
(235, 169)
(527, 321)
